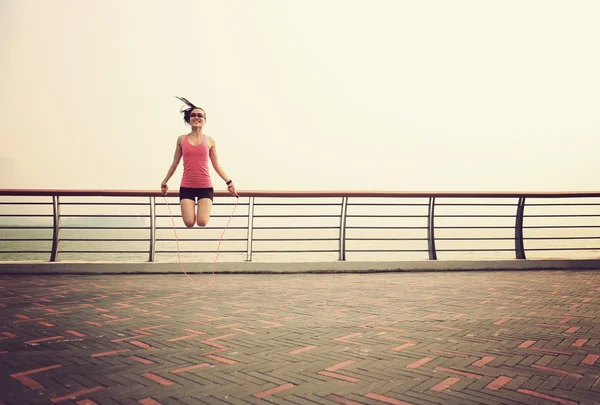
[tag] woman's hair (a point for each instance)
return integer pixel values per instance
(187, 111)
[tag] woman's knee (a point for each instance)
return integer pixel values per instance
(189, 222)
(202, 221)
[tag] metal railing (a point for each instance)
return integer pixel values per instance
(336, 223)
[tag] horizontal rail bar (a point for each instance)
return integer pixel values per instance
(140, 204)
(482, 238)
(365, 239)
(206, 227)
(474, 227)
(567, 248)
(24, 251)
(102, 215)
(26, 202)
(476, 250)
(200, 251)
(25, 215)
(386, 227)
(103, 240)
(297, 216)
(386, 216)
(296, 251)
(562, 204)
(105, 227)
(25, 227)
(290, 240)
(304, 194)
(212, 216)
(387, 204)
(216, 203)
(475, 216)
(295, 204)
(103, 251)
(293, 227)
(27, 240)
(563, 238)
(387, 250)
(561, 216)
(560, 226)
(474, 205)
(199, 240)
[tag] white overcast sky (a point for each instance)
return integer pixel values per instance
(303, 95)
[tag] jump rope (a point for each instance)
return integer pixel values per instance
(218, 247)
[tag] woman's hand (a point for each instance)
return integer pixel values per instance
(231, 189)
(164, 188)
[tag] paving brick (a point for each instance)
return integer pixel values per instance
(586, 383)
(508, 396)
(558, 361)
(568, 382)
(513, 360)
(551, 382)
(234, 401)
(531, 359)
(487, 399)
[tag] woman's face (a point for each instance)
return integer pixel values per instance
(197, 118)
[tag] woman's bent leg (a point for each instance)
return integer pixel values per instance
(204, 209)
(188, 212)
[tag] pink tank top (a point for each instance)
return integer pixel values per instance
(195, 164)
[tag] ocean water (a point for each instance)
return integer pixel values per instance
(101, 245)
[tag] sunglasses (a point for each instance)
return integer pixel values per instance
(193, 115)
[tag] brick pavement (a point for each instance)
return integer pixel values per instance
(389, 338)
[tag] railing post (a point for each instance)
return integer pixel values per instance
(152, 250)
(55, 228)
(430, 229)
(342, 249)
(519, 245)
(250, 228)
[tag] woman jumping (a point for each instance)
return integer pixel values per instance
(195, 148)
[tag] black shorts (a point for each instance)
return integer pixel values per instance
(193, 193)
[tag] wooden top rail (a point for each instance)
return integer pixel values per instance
(306, 194)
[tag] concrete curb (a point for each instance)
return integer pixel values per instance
(120, 267)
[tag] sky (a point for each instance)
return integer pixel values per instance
(303, 95)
